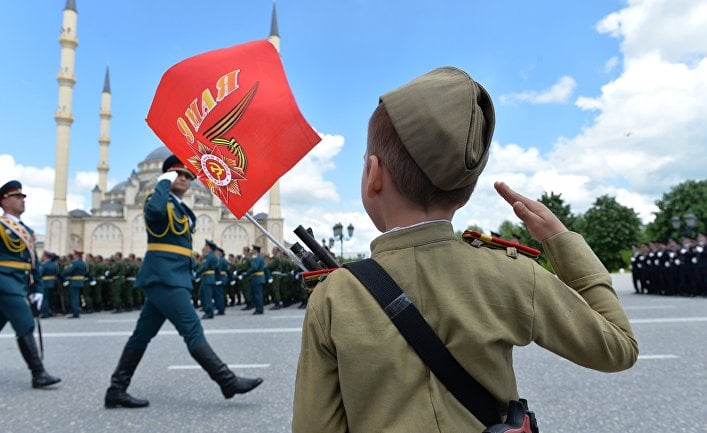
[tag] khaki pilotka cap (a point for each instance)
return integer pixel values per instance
(445, 119)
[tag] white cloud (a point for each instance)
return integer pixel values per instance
(305, 184)
(558, 93)
(611, 64)
(674, 29)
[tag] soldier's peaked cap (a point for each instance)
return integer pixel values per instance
(445, 120)
(13, 187)
(211, 244)
(172, 163)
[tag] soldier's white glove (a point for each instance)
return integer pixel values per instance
(92, 283)
(106, 273)
(233, 282)
(240, 277)
(270, 281)
(36, 298)
(218, 283)
(65, 284)
(171, 176)
(196, 280)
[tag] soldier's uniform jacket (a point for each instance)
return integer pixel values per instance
(222, 270)
(208, 268)
(49, 271)
(118, 270)
(169, 226)
(356, 372)
(76, 273)
(19, 265)
(257, 269)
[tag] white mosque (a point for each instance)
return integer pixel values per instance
(115, 221)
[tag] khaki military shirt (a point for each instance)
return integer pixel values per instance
(356, 373)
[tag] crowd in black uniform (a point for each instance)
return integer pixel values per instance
(677, 268)
(107, 283)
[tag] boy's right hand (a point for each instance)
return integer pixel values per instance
(541, 222)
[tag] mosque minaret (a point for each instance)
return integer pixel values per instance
(274, 211)
(104, 137)
(63, 116)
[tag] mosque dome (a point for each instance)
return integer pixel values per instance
(159, 154)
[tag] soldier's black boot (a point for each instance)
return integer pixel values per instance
(40, 377)
(218, 371)
(116, 394)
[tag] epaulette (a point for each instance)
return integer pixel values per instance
(310, 279)
(477, 240)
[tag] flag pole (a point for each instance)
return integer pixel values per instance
(292, 255)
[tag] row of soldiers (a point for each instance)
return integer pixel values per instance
(106, 283)
(283, 286)
(101, 283)
(678, 267)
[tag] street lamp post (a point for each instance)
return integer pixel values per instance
(339, 234)
(690, 224)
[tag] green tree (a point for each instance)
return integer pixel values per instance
(557, 205)
(689, 197)
(610, 228)
(507, 229)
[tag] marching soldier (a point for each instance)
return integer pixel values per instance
(221, 282)
(257, 281)
(49, 271)
(19, 275)
(165, 279)
(207, 275)
(75, 275)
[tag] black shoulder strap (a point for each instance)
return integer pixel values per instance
(422, 338)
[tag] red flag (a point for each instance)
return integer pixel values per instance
(230, 116)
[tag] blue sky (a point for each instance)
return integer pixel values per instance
(592, 98)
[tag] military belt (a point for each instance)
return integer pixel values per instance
(259, 273)
(78, 277)
(169, 248)
(211, 272)
(48, 277)
(15, 265)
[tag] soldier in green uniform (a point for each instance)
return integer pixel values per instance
(231, 293)
(279, 274)
(99, 268)
(20, 277)
(165, 278)
(91, 291)
(117, 283)
(132, 295)
(244, 282)
(428, 142)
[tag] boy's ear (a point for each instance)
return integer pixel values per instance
(374, 176)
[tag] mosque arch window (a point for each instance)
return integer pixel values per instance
(107, 232)
(235, 232)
